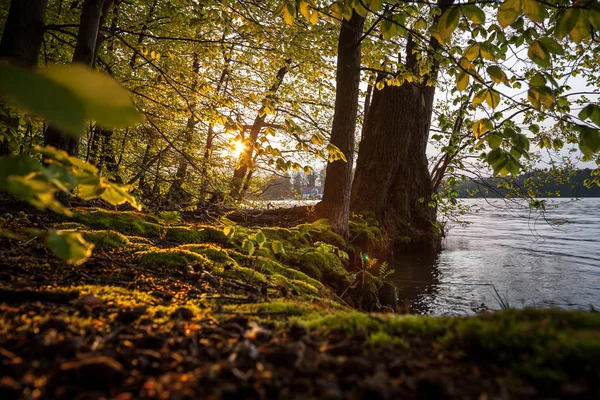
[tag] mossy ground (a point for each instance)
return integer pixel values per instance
(260, 323)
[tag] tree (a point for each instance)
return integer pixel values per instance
(85, 53)
(20, 45)
(336, 194)
(392, 177)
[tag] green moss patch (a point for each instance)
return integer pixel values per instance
(125, 222)
(268, 266)
(201, 234)
(550, 346)
(106, 239)
(172, 258)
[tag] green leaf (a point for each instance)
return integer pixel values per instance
(496, 73)
(508, 12)
(229, 231)
(13, 165)
(375, 5)
(581, 30)
(537, 80)
(566, 22)
(521, 142)
(44, 98)
(534, 10)
(552, 45)
(589, 140)
(116, 195)
(591, 111)
(277, 247)
(248, 247)
(260, 238)
(494, 140)
(104, 100)
(70, 246)
(462, 81)
(539, 54)
(448, 22)
(474, 13)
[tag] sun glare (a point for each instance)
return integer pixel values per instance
(237, 148)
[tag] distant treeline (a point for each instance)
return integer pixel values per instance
(544, 183)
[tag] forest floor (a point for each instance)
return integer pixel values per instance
(177, 311)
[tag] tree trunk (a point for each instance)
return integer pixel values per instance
(210, 134)
(107, 155)
(20, 45)
(176, 193)
(245, 163)
(143, 32)
(336, 195)
(392, 178)
(392, 175)
(84, 54)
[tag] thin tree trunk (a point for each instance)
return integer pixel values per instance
(245, 162)
(20, 45)
(336, 195)
(84, 54)
(143, 32)
(210, 134)
(392, 177)
(176, 193)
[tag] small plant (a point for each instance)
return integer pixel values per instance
(368, 280)
(257, 239)
(170, 217)
(331, 249)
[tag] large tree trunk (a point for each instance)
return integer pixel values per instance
(392, 178)
(84, 54)
(336, 195)
(20, 45)
(246, 159)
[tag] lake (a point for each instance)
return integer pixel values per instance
(530, 259)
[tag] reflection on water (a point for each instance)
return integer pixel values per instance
(528, 258)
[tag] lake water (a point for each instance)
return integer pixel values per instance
(531, 259)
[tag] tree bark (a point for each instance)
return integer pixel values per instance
(336, 195)
(245, 163)
(176, 193)
(84, 54)
(20, 45)
(392, 178)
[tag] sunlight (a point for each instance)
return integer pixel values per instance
(237, 148)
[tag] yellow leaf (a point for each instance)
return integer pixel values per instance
(462, 81)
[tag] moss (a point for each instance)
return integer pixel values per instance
(106, 239)
(172, 257)
(320, 231)
(182, 234)
(367, 233)
(326, 267)
(212, 252)
(284, 307)
(268, 266)
(139, 240)
(69, 226)
(202, 234)
(125, 222)
(381, 340)
(544, 345)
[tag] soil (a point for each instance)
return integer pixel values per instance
(144, 340)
